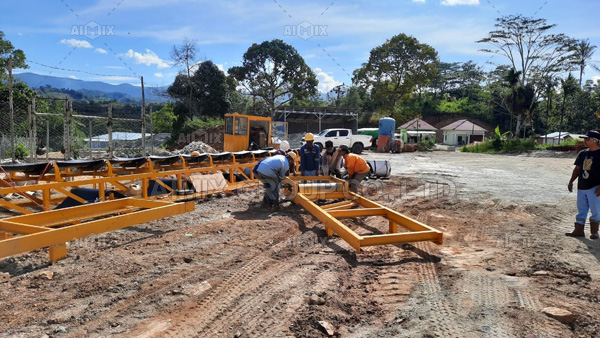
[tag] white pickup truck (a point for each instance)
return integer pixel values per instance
(356, 143)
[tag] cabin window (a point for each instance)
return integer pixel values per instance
(229, 125)
(241, 126)
(343, 133)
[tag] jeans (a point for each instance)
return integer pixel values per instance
(271, 185)
(355, 182)
(586, 201)
(310, 173)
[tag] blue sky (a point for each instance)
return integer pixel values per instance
(134, 38)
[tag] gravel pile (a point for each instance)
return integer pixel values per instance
(196, 146)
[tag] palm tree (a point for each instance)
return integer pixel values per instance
(582, 55)
(569, 86)
(512, 79)
(548, 84)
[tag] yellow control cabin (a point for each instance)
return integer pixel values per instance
(247, 132)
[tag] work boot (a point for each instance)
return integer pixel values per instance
(578, 231)
(594, 230)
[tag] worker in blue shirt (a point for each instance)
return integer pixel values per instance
(310, 157)
(271, 171)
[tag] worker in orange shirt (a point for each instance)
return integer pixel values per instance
(356, 166)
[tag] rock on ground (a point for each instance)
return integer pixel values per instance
(562, 315)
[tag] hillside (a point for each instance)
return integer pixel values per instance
(91, 89)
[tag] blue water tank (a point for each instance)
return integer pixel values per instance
(387, 125)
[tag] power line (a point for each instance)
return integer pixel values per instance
(77, 71)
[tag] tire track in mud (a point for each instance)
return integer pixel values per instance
(490, 297)
(442, 315)
(223, 261)
(217, 309)
(160, 286)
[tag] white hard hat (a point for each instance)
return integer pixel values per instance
(284, 145)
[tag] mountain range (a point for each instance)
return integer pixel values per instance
(121, 92)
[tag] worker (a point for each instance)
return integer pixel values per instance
(310, 157)
(587, 173)
(331, 161)
(356, 166)
(271, 171)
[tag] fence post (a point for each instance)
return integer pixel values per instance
(30, 132)
(151, 133)
(71, 145)
(47, 139)
(65, 129)
(35, 143)
(143, 120)
(91, 154)
(109, 125)
(11, 110)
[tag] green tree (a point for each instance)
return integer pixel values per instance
(397, 68)
(511, 78)
(275, 72)
(569, 87)
(582, 56)
(208, 89)
(163, 119)
(6, 51)
(185, 55)
(529, 46)
(532, 50)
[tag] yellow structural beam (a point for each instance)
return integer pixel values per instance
(49, 237)
(305, 189)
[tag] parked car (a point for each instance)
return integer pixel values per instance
(356, 143)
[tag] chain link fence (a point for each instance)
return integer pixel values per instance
(57, 128)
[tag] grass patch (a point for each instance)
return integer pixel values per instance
(494, 146)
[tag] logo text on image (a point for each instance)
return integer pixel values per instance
(92, 30)
(305, 30)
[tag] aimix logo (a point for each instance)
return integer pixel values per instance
(93, 30)
(305, 30)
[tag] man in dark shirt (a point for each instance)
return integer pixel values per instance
(587, 171)
(310, 157)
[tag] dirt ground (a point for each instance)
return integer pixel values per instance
(233, 269)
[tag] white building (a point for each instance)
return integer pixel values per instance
(556, 137)
(463, 132)
(101, 141)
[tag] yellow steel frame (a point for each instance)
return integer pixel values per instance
(304, 190)
(54, 228)
(58, 181)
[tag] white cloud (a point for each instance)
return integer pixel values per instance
(73, 77)
(221, 68)
(459, 2)
(101, 51)
(326, 81)
(596, 79)
(76, 43)
(159, 75)
(114, 67)
(419, 1)
(117, 78)
(148, 59)
(20, 34)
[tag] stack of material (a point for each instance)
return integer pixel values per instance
(198, 146)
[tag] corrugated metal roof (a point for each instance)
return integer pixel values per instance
(118, 136)
(417, 124)
(563, 134)
(464, 125)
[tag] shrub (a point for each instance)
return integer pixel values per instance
(21, 152)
